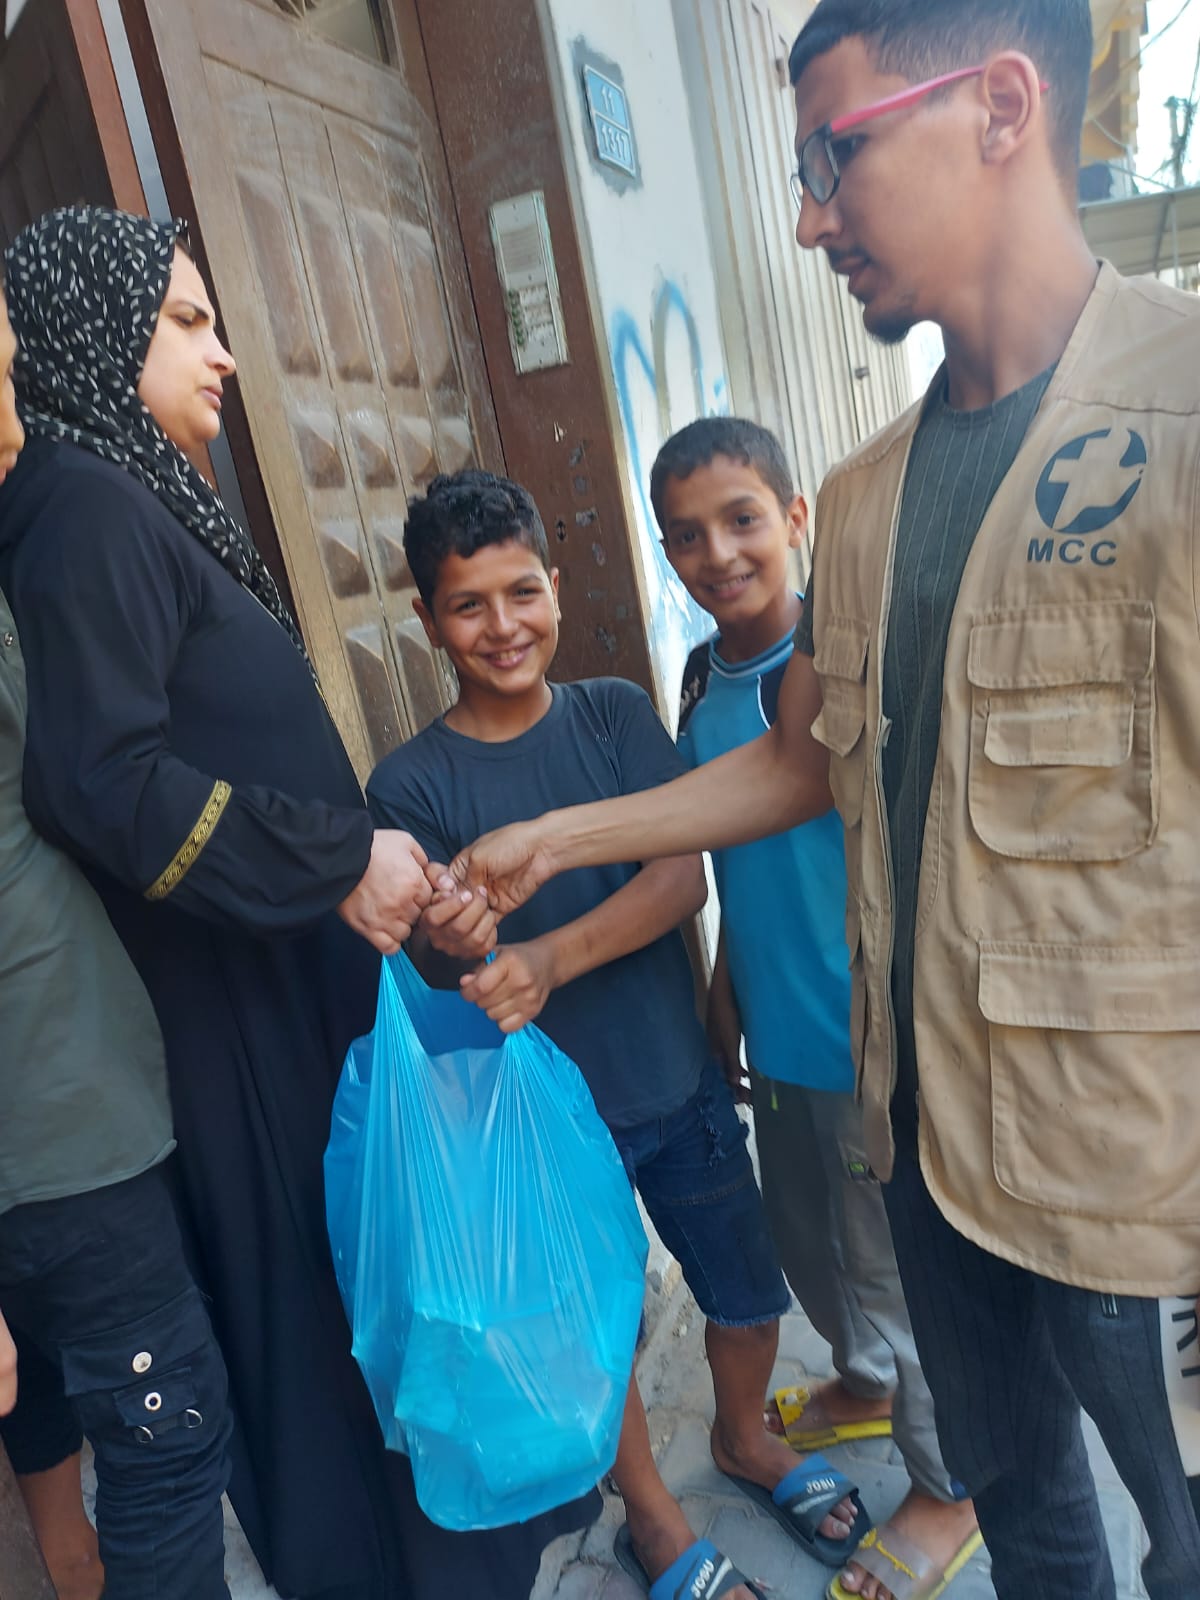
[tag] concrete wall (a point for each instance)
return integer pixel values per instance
(652, 281)
(652, 275)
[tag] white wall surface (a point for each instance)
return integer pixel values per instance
(652, 272)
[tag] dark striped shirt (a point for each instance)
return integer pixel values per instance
(959, 459)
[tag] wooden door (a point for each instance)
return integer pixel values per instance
(317, 177)
(51, 150)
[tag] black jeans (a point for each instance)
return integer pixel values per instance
(1011, 1357)
(114, 1341)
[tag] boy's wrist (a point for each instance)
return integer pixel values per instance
(555, 839)
(576, 837)
(551, 951)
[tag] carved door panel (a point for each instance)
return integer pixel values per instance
(338, 267)
(50, 148)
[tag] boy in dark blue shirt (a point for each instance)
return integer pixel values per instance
(722, 492)
(596, 956)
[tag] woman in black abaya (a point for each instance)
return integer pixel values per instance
(179, 747)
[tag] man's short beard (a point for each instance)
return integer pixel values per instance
(893, 330)
(894, 324)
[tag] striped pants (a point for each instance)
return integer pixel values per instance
(1011, 1358)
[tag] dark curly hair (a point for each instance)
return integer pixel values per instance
(460, 514)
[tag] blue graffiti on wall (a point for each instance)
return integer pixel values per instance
(676, 621)
(630, 356)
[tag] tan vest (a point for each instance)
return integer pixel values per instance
(1057, 986)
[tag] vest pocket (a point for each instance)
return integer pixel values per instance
(841, 663)
(1093, 1062)
(1063, 761)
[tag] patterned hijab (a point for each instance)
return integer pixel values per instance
(84, 289)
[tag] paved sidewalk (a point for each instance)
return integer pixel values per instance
(678, 1394)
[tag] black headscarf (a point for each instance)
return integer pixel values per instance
(85, 286)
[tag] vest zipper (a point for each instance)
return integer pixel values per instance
(883, 734)
(885, 729)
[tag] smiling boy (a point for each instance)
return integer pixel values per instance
(723, 495)
(598, 959)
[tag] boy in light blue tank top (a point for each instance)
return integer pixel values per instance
(724, 498)
(783, 898)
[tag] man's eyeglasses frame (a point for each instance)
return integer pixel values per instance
(803, 178)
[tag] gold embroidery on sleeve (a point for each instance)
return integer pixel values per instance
(193, 844)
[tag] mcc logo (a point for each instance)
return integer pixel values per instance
(1085, 487)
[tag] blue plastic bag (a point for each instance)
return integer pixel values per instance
(489, 1253)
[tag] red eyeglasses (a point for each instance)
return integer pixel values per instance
(819, 172)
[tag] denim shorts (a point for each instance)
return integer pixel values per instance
(693, 1172)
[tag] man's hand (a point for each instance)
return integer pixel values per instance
(511, 864)
(8, 1370)
(767, 786)
(515, 987)
(459, 923)
(392, 892)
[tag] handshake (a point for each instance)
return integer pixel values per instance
(455, 910)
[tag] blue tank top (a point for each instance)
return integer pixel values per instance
(783, 899)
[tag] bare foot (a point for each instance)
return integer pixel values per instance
(940, 1530)
(830, 1405)
(660, 1535)
(767, 1460)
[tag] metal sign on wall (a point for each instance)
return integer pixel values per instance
(537, 332)
(611, 124)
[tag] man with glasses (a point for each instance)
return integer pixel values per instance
(1004, 623)
(1000, 668)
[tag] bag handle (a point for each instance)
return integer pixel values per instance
(394, 1026)
(526, 1050)
(414, 995)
